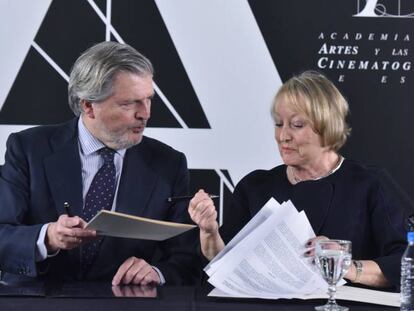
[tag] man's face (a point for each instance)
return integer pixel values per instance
(120, 120)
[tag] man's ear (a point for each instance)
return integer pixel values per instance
(87, 108)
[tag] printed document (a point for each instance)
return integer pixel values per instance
(267, 258)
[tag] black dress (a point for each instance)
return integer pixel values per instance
(357, 203)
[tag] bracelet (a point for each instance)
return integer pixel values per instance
(359, 269)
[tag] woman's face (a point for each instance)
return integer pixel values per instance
(298, 144)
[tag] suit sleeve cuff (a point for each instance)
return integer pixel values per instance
(41, 250)
(162, 279)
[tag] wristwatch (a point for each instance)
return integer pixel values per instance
(359, 269)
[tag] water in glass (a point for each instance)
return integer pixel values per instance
(333, 258)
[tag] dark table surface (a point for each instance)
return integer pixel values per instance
(102, 297)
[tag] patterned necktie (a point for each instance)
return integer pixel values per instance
(100, 196)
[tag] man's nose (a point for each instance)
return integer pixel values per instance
(144, 112)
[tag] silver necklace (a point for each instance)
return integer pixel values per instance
(297, 179)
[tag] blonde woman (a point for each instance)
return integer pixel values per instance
(343, 199)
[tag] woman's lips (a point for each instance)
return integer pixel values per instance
(287, 149)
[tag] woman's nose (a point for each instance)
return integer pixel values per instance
(284, 135)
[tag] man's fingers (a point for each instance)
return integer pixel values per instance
(136, 271)
(82, 233)
(67, 233)
(117, 291)
(73, 227)
(64, 233)
(68, 222)
(122, 270)
(141, 274)
(151, 278)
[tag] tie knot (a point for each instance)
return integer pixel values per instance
(107, 154)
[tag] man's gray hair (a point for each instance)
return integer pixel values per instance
(92, 76)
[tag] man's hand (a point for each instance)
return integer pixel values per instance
(136, 271)
(67, 233)
(203, 212)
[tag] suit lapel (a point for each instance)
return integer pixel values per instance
(63, 169)
(138, 180)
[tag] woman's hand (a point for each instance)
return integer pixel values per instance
(371, 274)
(203, 212)
(310, 245)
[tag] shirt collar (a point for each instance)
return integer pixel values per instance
(89, 143)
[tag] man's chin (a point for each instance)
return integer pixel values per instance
(128, 143)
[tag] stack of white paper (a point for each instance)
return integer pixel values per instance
(266, 258)
(343, 293)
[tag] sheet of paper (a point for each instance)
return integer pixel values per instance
(270, 208)
(269, 260)
(343, 293)
(115, 224)
(259, 218)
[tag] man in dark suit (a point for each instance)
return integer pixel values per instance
(56, 178)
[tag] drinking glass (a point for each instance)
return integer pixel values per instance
(333, 258)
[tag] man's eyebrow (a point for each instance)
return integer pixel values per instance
(124, 101)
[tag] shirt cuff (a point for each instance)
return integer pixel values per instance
(41, 250)
(162, 279)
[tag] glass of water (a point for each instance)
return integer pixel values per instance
(333, 258)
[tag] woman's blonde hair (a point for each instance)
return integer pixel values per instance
(314, 95)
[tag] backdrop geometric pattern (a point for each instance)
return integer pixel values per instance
(365, 47)
(40, 88)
